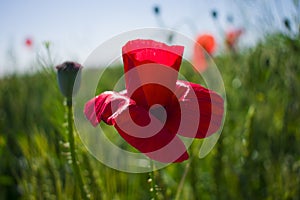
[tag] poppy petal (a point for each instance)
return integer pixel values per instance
(232, 37)
(204, 42)
(199, 59)
(154, 140)
(151, 70)
(137, 126)
(193, 97)
(105, 107)
(173, 152)
(139, 52)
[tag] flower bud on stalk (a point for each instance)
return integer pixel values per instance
(67, 73)
(68, 76)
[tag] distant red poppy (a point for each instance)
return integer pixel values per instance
(232, 37)
(207, 42)
(156, 107)
(28, 42)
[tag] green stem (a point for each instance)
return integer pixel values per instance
(151, 180)
(180, 186)
(72, 150)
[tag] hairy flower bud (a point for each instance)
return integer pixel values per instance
(68, 76)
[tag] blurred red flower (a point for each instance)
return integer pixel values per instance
(232, 37)
(28, 42)
(208, 43)
(156, 107)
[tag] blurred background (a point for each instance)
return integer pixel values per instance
(256, 46)
(75, 29)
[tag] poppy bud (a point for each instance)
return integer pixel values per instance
(287, 24)
(156, 10)
(67, 73)
(214, 14)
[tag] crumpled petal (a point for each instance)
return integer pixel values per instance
(137, 126)
(194, 98)
(106, 107)
(163, 147)
(160, 144)
(151, 71)
(174, 152)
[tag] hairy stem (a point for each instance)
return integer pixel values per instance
(151, 181)
(71, 139)
(180, 186)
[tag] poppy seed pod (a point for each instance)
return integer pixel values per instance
(68, 76)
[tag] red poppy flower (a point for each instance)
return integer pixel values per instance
(207, 42)
(232, 38)
(156, 108)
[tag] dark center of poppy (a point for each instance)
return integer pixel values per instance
(159, 112)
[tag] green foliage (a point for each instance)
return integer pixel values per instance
(256, 157)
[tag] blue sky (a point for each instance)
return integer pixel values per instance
(75, 28)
